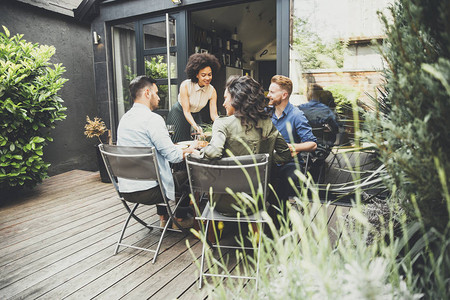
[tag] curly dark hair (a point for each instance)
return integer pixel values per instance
(200, 61)
(248, 100)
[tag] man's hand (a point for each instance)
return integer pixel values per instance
(191, 150)
(292, 148)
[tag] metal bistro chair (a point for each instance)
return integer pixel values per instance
(242, 174)
(135, 163)
(315, 161)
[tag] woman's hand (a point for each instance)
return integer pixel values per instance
(199, 130)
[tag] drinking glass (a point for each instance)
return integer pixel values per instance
(171, 129)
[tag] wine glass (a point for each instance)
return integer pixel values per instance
(171, 129)
(194, 133)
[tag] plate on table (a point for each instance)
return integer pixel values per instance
(184, 144)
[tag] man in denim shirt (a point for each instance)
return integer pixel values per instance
(141, 127)
(318, 113)
(294, 127)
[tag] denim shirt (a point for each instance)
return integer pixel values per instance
(300, 129)
(318, 113)
(140, 127)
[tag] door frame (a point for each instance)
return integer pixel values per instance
(180, 48)
(283, 30)
(182, 27)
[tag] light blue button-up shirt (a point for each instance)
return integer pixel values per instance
(140, 127)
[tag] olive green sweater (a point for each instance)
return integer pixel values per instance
(228, 134)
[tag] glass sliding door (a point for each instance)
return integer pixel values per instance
(149, 47)
(158, 44)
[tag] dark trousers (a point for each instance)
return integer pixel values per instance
(283, 189)
(182, 131)
(154, 196)
(281, 175)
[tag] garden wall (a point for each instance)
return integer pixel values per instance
(364, 81)
(70, 149)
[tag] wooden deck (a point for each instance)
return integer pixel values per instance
(57, 242)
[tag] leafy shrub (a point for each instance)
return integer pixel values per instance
(306, 261)
(308, 258)
(29, 107)
(157, 69)
(415, 132)
(344, 96)
(313, 51)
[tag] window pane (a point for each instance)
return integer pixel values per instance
(156, 66)
(154, 35)
(124, 60)
(163, 93)
(333, 51)
(172, 32)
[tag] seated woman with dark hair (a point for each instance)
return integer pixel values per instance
(247, 129)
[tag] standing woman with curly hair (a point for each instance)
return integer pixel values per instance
(247, 129)
(195, 93)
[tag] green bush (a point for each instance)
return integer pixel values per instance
(157, 69)
(387, 257)
(29, 108)
(314, 52)
(344, 96)
(415, 132)
(309, 260)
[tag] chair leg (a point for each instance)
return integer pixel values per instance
(125, 227)
(172, 216)
(321, 172)
(160, 242)
(259, 255)
(202, 262)
(136, 217)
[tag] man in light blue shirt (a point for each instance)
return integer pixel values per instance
(141, 127)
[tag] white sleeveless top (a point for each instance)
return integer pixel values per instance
(198, 96)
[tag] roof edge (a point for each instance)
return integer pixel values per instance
(87, 10)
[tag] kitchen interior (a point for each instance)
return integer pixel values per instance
(242, 37)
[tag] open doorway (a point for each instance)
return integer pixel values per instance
(243, 38)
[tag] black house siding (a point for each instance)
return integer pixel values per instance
(73, 42)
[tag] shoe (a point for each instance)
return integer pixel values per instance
(185, 223)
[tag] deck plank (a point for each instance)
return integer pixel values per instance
(42, 247)
(58, 240)
(50, 265)
(171, 276)
(333, 231)
(112, 281)
(72, 209)
(91, 268)
(43, 194)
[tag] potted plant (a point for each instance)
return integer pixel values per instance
(96, 128)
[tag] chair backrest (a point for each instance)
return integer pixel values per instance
(135, 163)
(163, 113)
(239, 173)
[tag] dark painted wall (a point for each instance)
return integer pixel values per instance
(70, 148)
